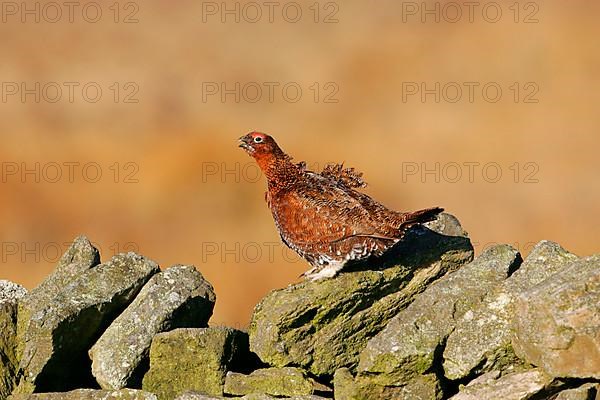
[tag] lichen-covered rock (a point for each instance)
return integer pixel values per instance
(411, 341)
(322, 326)
(286, 381)
(177, 297)
(79, 258)
(481, 340)
(421, 387)
(254, 396)
(588, 391)
(10, 294)
(196, 396)
(515, 386)
(257, 396)
(60, 329)
(193, 359)
(88, 394)
(557, 323)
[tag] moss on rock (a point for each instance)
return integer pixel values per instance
(481, 341)
(421, 387)
(322, 326)
(10, 295)
(272, 381)
(193, 359)
(88, 394)
(409, 344)
(177, 297)
(58, 329)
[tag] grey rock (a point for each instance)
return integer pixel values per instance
(409, 344)
(10, 295)
(557, 323)
(279, 382)
(481, 341)
(322, 326)
(88, 394)
(193, 359)
(421, 387)
(190, 395)
(256, 396)
(176, 297)
(200, 396)
(515, 386)
(545, 259)
(60, 329)
(79, 258)
(365, 388)
(588, 391)
(11, 292)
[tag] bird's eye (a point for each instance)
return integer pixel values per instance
(258, 139)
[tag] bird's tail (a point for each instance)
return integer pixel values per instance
(420, 217)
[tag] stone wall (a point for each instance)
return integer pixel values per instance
(426, 321)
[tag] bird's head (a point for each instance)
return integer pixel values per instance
(268, 155)
(273, 162)
(259, 145)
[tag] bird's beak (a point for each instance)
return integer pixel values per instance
(243, 143)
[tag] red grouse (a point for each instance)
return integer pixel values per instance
(321, 216)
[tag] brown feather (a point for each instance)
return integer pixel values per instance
(320, 215)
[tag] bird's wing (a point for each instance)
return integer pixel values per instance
(322, 213)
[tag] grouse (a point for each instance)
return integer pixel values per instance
(321, 216)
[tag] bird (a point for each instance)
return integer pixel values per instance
(321, 215)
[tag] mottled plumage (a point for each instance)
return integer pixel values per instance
(321, 216)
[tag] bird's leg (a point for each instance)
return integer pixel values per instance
(306, 274)
(328, 270)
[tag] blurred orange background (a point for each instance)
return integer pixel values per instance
(152, 164)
